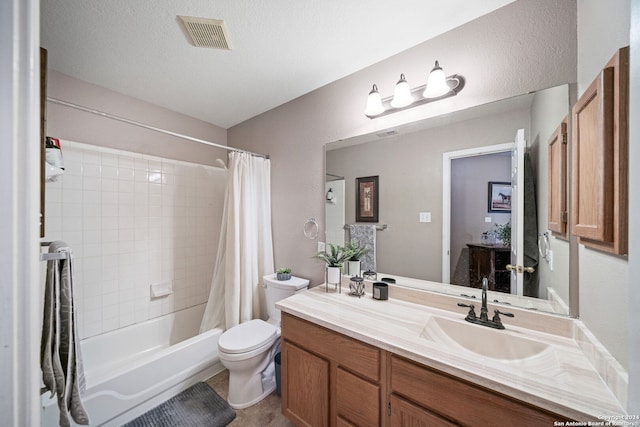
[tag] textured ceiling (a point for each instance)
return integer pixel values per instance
(281, 49)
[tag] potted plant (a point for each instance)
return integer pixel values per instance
(334, 258)
(357, 252)
(283, 274)
(503, 232)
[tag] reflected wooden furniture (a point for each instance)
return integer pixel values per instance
(557, 196)
(489, 261)
(329, 379)
(599, 159)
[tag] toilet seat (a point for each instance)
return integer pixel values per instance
(247, 336)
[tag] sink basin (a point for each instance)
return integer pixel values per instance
(483, 341)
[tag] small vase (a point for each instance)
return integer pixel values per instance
(283, 276)
(333, 275)
(353, 268)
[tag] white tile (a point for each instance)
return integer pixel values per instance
(109, 184)
(126, 186)
(109, 172)
(91, 170)
(125, 161)
(110, 304)
(91, 157)
(71, 196)
(109, 159)
(94, 197)
(110, 286)
(52, 194)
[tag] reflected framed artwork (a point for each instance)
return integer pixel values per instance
(367, 199)
(499, 197)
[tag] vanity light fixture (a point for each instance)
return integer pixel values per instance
(330, 196)
(438, 87)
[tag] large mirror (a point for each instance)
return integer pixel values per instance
(434, 186)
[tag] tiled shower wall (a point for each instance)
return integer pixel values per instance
(133, 220)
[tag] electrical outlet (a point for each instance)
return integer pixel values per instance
(321, 246)
(425, 216)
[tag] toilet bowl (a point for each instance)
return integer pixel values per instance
(247, 350)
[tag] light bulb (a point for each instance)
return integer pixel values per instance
(436, 83)
(374, 103)
(402, 94)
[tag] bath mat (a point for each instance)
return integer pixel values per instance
(197, 406)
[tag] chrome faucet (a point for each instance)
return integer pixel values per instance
(483, 320)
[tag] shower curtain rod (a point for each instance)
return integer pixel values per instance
(153, 128)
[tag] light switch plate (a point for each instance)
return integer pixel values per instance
(425, 216)
(321, 247)
(487, 219)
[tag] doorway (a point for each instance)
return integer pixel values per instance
(449, 258)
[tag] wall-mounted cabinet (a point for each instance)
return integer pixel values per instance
(599, 159)
(558, 181)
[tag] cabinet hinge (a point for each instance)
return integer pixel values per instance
(388, 409)
(564, 217)
(564, 138)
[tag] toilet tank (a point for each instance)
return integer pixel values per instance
(280, 289)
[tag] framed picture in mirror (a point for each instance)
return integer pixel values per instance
(499, 197)
(367, 199)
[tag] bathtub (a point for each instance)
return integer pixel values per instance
(133, 369)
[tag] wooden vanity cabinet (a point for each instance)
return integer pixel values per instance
(599, 159)
(329, 379)
(557, 196)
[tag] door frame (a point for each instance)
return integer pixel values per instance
(446, 196)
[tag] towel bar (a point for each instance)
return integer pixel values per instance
(378, 227)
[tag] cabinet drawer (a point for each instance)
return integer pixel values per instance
(406, 414)
(358, 400)
(356, 356)
(461, 401)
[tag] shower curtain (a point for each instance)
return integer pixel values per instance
(245, 248)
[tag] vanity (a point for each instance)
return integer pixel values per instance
(413, 360)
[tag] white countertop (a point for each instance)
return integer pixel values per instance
(561, 380)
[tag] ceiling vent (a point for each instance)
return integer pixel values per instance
(205, 32)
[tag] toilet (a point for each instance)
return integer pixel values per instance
(247, 350)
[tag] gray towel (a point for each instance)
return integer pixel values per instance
(62, 371)
(365, 235)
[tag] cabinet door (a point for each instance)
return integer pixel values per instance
(305, 387)
(358, 400)
(557, 196)
(592, 210)
(600, 139)
(406, 414)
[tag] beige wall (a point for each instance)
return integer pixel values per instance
(525, 46)
(602, 29)
(74, 125)
(548, 109)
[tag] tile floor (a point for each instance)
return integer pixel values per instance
(265, 413)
